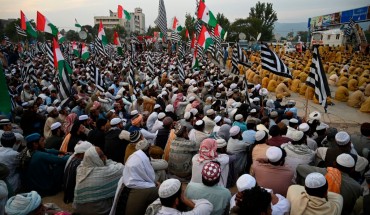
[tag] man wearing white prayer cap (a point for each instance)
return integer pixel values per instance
(56, 138)
(70, 170)
(274, 168)
(208, 120)
(170, 197)
(52, 118)
(244, 182)
(314, 197)
(328, 155)
(235, 144)
(348, 187)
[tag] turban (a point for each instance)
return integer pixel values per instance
(137, 120)
(23, 203)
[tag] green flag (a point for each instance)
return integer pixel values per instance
(5, 104)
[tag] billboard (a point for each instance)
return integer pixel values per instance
(359, 14)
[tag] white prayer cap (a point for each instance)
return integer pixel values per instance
(260, 135)
(209, 98)
(207, 84)
(44, 88)
(156, 106)
(134, 112)
(169, 108)
(83, 117)
(237, 104)
(191, 99)
(168, 85)
(233, 86)
(175, 89)
(194, 111)
(229, 93)
(187, 115)
(82, 146)
(164, 93)
(256, 99)
(345, 160)
(238, 117)
(199, 122)
(56, 101)
(142, 145)
(124, 135)
(55, 125)
(220, 86)
(253, 111)
(218, 95)
(314, 115)
(221, 143)
(210, 112)
(293, 120)
(320, 127)
(234, 130)
(227, 121)
(115, 121)
(118, 97)
(217, 119)
(274, 154)
(50, 109)
(315, 180)
(297, 135)
(169, 188)
(303, 127)
(195, 89)
(342, 138)
(245, 182)
(161, 115)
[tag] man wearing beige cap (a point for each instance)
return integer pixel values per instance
(170, 197)
(349, 188)
(313, 197)
(344, 145)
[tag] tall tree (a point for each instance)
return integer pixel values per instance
(72, 35)
(223, 21)
(267, 16)
(151, 30)
(237, 27)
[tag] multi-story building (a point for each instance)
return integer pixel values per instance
(109, 21)
(135, 25)
(137, 22)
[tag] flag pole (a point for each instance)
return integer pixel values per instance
(306, 107)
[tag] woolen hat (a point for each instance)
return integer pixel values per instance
(135, 136)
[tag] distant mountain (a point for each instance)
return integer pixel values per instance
(284, 28)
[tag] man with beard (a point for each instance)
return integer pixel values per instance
(52, 118)
(56, 138)
(42, 168)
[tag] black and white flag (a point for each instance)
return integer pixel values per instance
(349, 28)
(317, 79)
(150, 65)
(100, 48)
(161, 20)
(20, 31)
(180, 69)
(271, 62)
(50, 54)
(234, 62)
(28, 72)
(242, 57)
(96, 78)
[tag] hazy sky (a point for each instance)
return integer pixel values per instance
(63, 12)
